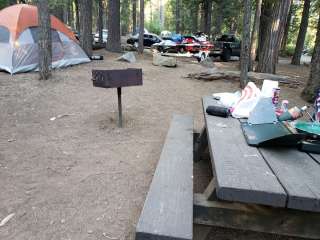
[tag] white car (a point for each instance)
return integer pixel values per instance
(104, 36)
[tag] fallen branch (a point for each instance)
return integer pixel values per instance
(216, 74)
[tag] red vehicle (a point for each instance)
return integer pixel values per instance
(193, 45)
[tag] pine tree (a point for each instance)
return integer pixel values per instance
(45, 42)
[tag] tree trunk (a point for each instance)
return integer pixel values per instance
(162, 13)
(134, 17)
(313, 84)
(45, 42)
(85, 9)
(286, 31)
(254, 35)
(245, 44)
(178, 16)
(100, 21)
(265, 22)
(195, 16)
(207, 16)
(274, 34)
(114, 39)
(125, 16)
(141, 30)
(302, 33)
(76, 3)
(219, 18)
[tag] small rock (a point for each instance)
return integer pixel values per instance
(90, 231)
(63, 221)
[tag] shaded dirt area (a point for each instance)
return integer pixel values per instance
(80, 177)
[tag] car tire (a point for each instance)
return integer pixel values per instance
(203, 57)
(226, 55)
(181, 50)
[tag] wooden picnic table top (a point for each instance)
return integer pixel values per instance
(279, 177)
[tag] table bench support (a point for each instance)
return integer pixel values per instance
(256, 218)
(201, 145)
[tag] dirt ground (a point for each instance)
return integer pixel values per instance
(80, 177)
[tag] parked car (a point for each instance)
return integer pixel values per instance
(226, 46)
(188, 44)
(104, 36)
(149, 40)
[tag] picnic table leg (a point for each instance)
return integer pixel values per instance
(119, 107)
(201, 145)
(255, 218)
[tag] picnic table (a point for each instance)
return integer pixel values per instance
(274, 190)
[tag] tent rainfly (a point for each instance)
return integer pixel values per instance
(19, 37)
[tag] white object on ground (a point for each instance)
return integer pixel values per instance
(6, 219)
(60, 116)
(128, 57)
(267, 88)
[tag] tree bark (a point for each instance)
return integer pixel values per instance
(245, 44)
(313, 84)
(195, 16)
(76, 3)
(100, 21)
(207, 16)
(85, 9)
(274, 34)
(254, 35)
(178, 16)
(265, 22)
(141, 30)
(134, 17)
(302, 33)
(114, 39)
(286, 31)
(219, 18)
(45, 42)
(125, 16)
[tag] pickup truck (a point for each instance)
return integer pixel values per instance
(226, 46)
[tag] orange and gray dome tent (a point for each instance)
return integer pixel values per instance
(19, 37)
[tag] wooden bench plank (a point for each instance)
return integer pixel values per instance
(168, 209)
(299, 174)
(240, 171)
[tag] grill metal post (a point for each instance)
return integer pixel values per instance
(119, 107)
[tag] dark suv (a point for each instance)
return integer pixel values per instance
(149, 39)
(226, 46)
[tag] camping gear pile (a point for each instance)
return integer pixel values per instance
(19, 41)
(267, 122)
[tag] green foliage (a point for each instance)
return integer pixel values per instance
(153, 26)
(289, 51)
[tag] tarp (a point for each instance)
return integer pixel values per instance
(19, 41)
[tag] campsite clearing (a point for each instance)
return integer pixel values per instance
(79, 176)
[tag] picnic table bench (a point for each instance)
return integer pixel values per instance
(168, 209)
(274, 190)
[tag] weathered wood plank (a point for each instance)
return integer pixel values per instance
(168, 209)
(299, 174)
(256, 218)
(240, 171)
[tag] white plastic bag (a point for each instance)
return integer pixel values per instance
(249, 98)
(228, 99)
